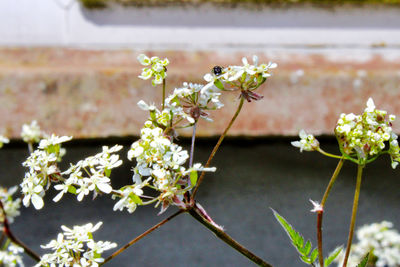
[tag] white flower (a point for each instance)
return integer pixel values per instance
(31, 133)
(307, 142)
(53, 140)
(75, 247)
(144, 60)
(11, 207)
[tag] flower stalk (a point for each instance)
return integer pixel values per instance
(321, 213)
(14, 239)
(353, 214)
(136, 239)
(215, 149)
(198, 214)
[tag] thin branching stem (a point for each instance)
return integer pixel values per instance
(192, 145)
(30, 147)
(329, 154)
(219, 232)
(136, 239)
(321, 213)
(221, 138)
(353, 214)
(10, 235)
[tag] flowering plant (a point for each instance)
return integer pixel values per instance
(165, 174)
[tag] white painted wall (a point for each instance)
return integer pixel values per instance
(66, 23)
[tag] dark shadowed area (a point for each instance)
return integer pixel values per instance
(251, 177)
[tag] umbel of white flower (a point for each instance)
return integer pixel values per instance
(76, 247)
(159, 165)
(88, 175)
(11, 256)
(378, 239)
(362, 138)
(246, 78)
(31, 133)
(42, 165)
(156, 69)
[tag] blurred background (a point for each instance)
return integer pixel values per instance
(71, 65)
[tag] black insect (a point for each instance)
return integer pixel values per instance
(217, 70)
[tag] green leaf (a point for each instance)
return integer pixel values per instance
(72, 189)
(136, 199)
(219, 84)
(107, 172)
(193, 177)
(314, 255)
(364, 262)
(260, 80)
(295, 237)
(332, 256)
(307, 248)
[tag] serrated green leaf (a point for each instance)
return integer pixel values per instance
(193, 178)
(219, 84)
(314, 255)
(295, 237)
(364, 262)
(332, 256)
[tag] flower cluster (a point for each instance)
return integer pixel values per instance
(97, 168)
(169, 117)
(159, 165)
(10, 206)
(76, 247)
(10, 256)
(31, 133)
(247, 77)
(363, 137)
(381, 241)
(3, 140)
(42, 164)
(307, 142)
(156, 69)
(195, 100)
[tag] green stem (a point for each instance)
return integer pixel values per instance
(332, 181)
(136, 239)
(353, 214)
(198, 215)
(321, 213)
(192, 145)
(329, 154)
(221, 138)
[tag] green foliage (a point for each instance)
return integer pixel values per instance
(298, 241)
(305, 249)
(364, 262)
(193, 178)
(332, 256)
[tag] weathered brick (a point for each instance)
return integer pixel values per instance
(93, 93)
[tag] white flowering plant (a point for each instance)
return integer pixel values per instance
(361, 139)
(165, 174)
